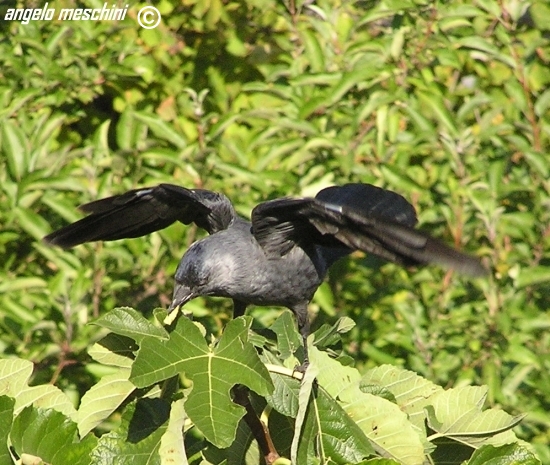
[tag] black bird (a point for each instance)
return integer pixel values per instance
(282, 256)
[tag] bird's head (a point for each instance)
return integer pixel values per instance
(202, 271)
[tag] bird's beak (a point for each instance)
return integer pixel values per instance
(182, 295)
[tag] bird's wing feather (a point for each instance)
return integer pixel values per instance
(371, 201)
(354, 217)
(142, 211)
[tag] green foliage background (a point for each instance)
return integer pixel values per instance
(446, 103)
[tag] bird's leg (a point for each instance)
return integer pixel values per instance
(239, 308)
(304, 331)
(303, 326)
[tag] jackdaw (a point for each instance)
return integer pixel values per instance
(279, 258)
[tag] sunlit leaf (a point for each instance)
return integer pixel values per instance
(457, 414)
(102, 399)
(14, 378)
(214, 372)
(128, 322)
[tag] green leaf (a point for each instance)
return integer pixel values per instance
(129, 131)
(171, 446)
(114, 350)
(32, 223)
(543, 103)
(22, 284)
(456, 413)
(284, 398)
(342, 438)
(326, 425)
(304, 395)
(383, 422)
(15, 146)
(401, 180)
(102, 399)
(538, 161)
(540, 14)
(333, 376)
(508, 454)
(532, 276)
(483, 45)
(130, 323)
(288, 338)
(161, 129)
(214, 371)
(386, 426)
(14, 378)
(138, 438)
(327, 335)
(244, 449)
(6, 417)
(45, 396)
(349, 80)
(51, 436)
(412, 392)
(379, 462)
(314, 51)
(332, 96)
(448, 451)
(440, 111)
(398, 41)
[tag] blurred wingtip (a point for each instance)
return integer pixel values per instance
(67, 237)
(461, 262)
(49, 239)
(53, 239)
(472, 267)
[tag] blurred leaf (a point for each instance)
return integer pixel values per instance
(436, 104)
(481, 44)
(161, 129)
(531, 276)
(540, 14)
(326, 335)
(32, 223)
(314, 51)
(15, 146)
(129, 131)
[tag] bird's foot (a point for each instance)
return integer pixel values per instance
(301, 368)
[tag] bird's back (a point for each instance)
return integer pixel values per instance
(239, 268)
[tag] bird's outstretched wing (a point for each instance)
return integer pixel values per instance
(141, 211)
(355, 217)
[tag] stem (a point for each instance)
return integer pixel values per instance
(257, 427)
(284, 371)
